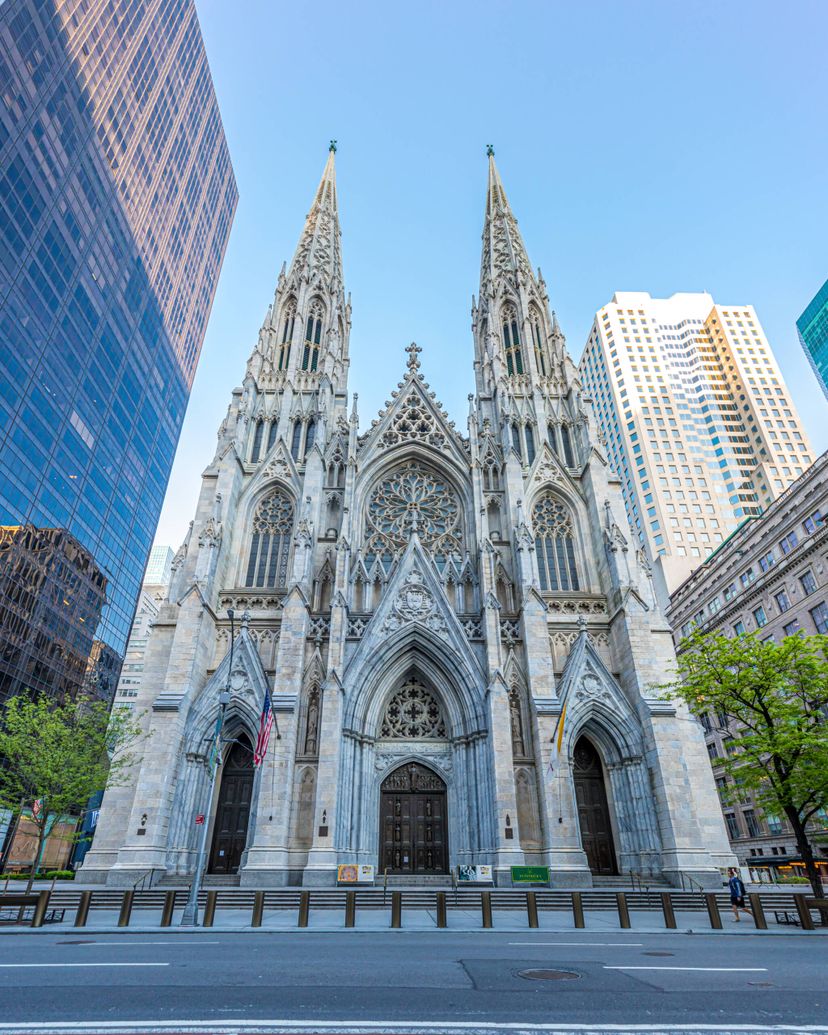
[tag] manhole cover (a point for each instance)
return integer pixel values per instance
(658, 954)
(548, 975)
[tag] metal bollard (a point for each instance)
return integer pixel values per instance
(758, 912)
(210, 908)
(532, 908)
(623, 909)
(486, 906)
(304, 908)
(83, 909)
(578, 909)
(169, 909)
(350, 908)
(713, 910)
(441, 909)
(667, 907)
(805, 918)
(396, 909)
(126, 908)
(40, 908)
(258, 909)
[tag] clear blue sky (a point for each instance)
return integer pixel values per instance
(648, 146)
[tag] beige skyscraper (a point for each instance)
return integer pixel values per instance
(698, 421)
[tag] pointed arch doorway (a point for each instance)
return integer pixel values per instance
(593, 808)
(233, 809)
(413, 821)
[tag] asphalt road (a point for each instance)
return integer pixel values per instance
(433, 979)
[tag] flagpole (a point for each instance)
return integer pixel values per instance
(189, 918)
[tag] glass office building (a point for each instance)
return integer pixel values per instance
(813, 333)
(116, 200)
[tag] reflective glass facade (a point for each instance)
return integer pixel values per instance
(116, 201)
(813, 333)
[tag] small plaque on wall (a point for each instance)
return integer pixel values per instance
(510, 833)
(323, 831)
(140, 831)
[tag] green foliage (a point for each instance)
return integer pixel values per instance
(60, 754)
(774, 696)
(49, 875)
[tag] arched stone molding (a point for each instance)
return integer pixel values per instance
(442, 657)
(248, 682)
(598, 709)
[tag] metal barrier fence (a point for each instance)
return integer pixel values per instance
(806, 912)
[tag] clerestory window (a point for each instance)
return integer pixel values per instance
(554, 545)
(270, 542)
(313, 337)
(511, 341)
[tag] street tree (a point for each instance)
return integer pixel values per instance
(56, 755)
(774, 699)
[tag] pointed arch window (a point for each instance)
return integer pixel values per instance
(554, 545)
(270, 542)
(529, 435)
(511, 341)
(313, 337)
(255, 452)
(271, 435)
(310, 435)
(552, 433)
(516, 443)
(287, 335)
(296, 439)
(566, 439)
(537, 334)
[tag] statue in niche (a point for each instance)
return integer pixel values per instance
(518, 745)
(312, 726)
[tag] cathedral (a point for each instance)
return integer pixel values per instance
(458, 631)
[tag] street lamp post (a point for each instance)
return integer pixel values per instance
(189, 917)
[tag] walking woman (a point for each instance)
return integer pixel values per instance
(737, 893)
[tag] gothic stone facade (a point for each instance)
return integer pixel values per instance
(425, 608)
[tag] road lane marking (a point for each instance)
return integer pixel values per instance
(7, 966)
(637, 945)
(169, 941)
(741, 970)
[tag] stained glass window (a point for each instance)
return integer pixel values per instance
(270, 542)
(554, 545)
(413, 713)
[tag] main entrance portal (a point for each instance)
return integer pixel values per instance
(593, 810)
(233, 811)
(413, 835)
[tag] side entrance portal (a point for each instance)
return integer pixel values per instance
(413, 826)
(233, 811)
(593, 810)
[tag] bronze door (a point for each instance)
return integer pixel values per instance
(233, 810)
(413, 835)
(593, 809)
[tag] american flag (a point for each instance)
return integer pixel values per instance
(265, 726)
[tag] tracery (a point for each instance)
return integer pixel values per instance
(554, 545)
(413, 713)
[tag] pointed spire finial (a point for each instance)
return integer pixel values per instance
(413, 351)
(490, 150)
(332, 146)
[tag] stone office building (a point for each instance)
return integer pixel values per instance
(770, 577)
(422, 606)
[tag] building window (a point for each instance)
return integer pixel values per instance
(313, 337)
(516, 444)
(530, 443)
(820, 617)
(537, 333)
(751, 823)
(792, 628)
(257, 442)
(554, 545)
(713, 752)
(553, 439)
(287, 336)
(774, 824)
(766, 562)
(808, 582)
(271, 435)
(296, 439)
(760, 617)
(511, 341)
(739, 628)
(783, 601)
(733, 831)
(789, 542)
(566, 439)
(270, 542)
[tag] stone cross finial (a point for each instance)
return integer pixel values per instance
(413, 351)
(490, 150)
(333, 146)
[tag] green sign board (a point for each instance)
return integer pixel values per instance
(530, 874)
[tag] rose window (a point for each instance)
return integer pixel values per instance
(413, 500)
(413, 714)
